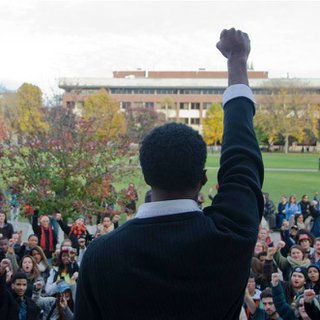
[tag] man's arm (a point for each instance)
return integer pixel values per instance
(239, 202)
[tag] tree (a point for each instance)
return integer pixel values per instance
(29, 115)
(106, 114)
(140, 121)
(213, 125)
(68, 166)
(286, 111)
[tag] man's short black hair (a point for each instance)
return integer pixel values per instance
(266, 293)
(173, 157)
(19, 275)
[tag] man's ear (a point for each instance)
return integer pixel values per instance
(204, 178)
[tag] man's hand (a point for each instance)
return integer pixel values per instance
(275, 278)
(270, 253)
(308, 295)
(281, 245)
(235, 46)
(4, 266)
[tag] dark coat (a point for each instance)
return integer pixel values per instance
(182, 266)
(9, 305)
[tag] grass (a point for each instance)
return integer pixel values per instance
(276, 183)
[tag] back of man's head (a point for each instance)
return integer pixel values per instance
(172, 157)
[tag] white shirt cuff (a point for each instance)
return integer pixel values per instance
(235, 91)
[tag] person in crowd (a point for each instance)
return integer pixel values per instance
(17, 240)
(14, 205)
(312, 304)
(292, 208)
(29, 266)
(45, 233)
(304, 205)
(269, 211)
(264, 236)
(82, 249)
(298, 221)
(64, 271)
(253, 292)
(132, 197)
(288, 235)
(315, 257)
(305, 240)
(14, 303)
(315, 216)
(174, 226)
(107, 225)
(7, 247)
(42, 262)
(75, 231)
(314, 278)
(296, 258)
(27, 246)
(260, 246)
(282, 305)
(6, 228)
(66, 244)
(56, 307)
(268, 312)
(281, 211)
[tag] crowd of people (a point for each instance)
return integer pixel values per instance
(39, 278)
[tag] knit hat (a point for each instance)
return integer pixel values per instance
(62, 286)
(314, 266)
(301, 270)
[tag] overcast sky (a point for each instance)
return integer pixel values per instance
(44, 40)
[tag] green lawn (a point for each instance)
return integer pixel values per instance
(275, 182)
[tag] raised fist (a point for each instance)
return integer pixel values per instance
(275, 277)
(234, 44)
(270, 253)
(281, 244)
(308, 295)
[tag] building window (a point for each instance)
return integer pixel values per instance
(70, 104)
(207, 105)
(149, 105)
(125, 104)
(195, 120)
(195, 106)
(190, 91)
(143, 91)
(213, 91)
(184, 105)
(184, 120)
(167, 91)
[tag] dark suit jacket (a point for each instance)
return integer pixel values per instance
(184, 266)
